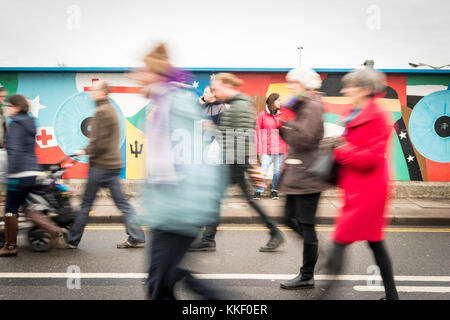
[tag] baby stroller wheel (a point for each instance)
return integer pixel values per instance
(2, 238)
(40, 241)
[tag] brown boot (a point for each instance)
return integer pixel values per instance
(11, 230)
(45, 223)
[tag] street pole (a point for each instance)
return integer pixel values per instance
(300, 56)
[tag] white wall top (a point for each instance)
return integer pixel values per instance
(225, 34)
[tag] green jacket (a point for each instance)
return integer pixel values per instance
(238, 123)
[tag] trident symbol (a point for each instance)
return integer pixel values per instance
(135, 151)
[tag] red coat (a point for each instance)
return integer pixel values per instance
(363, 176)
(267, 138)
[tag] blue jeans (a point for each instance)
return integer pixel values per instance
(266, 161)
(105, 178)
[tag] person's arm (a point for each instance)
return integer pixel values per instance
(14, 145)
(100, 130)
(258, 126)
(303, 131)
(368, 155)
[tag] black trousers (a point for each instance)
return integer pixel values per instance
(237, 175)
(166, 252)
(299, 214)
(382, 259)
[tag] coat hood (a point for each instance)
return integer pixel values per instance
(26, 122)
(238, 97)
(268, 111)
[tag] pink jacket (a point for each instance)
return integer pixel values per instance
(267, 137)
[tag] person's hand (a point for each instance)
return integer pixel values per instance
(79, 153)
(340, 141)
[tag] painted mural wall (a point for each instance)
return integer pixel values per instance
(419, 105)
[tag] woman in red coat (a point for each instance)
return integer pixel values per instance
(363, 174)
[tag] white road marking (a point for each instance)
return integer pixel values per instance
(405, 289)
(216, 276)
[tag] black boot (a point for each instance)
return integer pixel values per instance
(305, 280)
(276, 239)
(203, 245)
(299, 282)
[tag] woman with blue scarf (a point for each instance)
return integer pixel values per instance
(181, 191)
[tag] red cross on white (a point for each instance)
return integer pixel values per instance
(45, 137)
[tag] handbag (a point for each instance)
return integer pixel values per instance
(325, 168)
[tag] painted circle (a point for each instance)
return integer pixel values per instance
(71, 123)
(86, 126)
(442, 126)
(428, 126)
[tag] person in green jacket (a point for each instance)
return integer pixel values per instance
(236, 126)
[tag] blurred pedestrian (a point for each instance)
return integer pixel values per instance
(270, 147)
(3, 95)
(3, 156)
(363, 175)
(237, 134)
(302, 189)
(213, 107)
(22, 171)
(180, 195)
(213, 111)
(105, 165)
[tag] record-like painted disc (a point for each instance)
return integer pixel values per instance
(429, 126)
(71, 123)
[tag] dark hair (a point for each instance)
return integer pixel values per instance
(270, 101)
(19, 101)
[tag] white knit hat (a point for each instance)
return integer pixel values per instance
(307, 77)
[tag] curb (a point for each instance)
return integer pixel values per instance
(397, 221)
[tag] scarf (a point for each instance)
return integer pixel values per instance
(160, 161)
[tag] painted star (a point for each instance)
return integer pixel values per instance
(410, 158)
(35, 106)
(195, 84)
(212, 77)
(402, 135)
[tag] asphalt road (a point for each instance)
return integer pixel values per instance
(421, 258)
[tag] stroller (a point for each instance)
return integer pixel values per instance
(50, 198)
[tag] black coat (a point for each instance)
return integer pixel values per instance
(20, 144)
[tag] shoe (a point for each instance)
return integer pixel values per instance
(276, 239)
(257, 196)
(275, 195)
(203, 245)
(11, 230)
(62, 242)
(298, 283)
(129, 244)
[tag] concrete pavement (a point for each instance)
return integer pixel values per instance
(403, 211)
